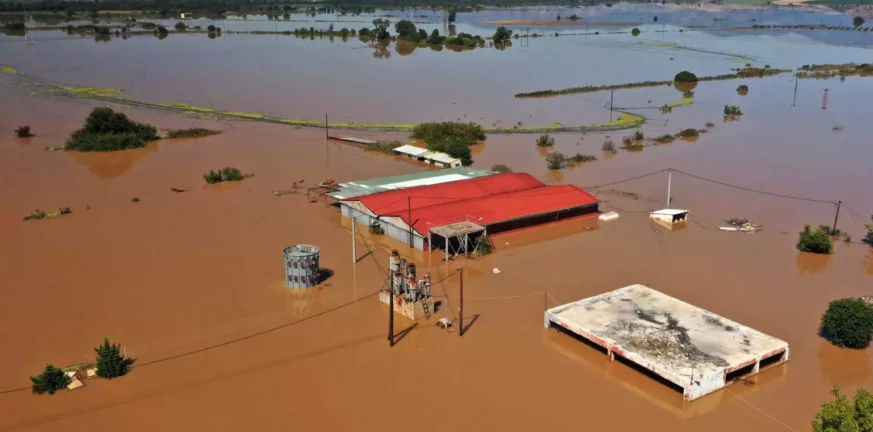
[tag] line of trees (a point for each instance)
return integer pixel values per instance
(110, 363)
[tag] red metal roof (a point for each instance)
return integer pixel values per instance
(501, 207)
(395, 202)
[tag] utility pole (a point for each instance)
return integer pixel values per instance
(836, 217)
(794, 103)
(611, 93)
(824, 100)
(326, 134)
(461, 317)
(669, 186)
(391, 312)
(354, 243)
(409, 216)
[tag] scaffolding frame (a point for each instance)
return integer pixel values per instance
(460, 230)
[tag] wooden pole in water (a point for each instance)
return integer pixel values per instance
(354, 244)
(794, 103)
(611, 92)
(391, 313)
(326, 134)
(461, 316)
(836, 217)
(669, 186)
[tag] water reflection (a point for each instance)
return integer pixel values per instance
(381, 50)
(843, 366)
(868, 263)
(405, 48)
(109, 165)
(810, 263)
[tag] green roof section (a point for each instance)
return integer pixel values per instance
(368, 187)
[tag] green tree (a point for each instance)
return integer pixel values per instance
(110, 362)
(502, 35)
(545, 141)
(869, 238)
(456, 147)
(685, 76)
(844, 414)
(848, 323)
(50, 380)
(858, 21)
(556, 160)
(453, 15)
(180, 26)
(435, 38)
(381, 28)
(404, 28)
(635, 31)
(815, 241)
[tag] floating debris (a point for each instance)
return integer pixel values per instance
(39, 214)
(740, 225)
(56, 148)
(495, 270)
(179, 189)
(608, 217)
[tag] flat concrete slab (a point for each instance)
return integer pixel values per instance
(695, 349)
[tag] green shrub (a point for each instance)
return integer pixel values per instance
(848, 323)
(664, 139)
(815, 241)
(376, 228)
(435, 38)
(580, 158)
(484, 246)
(688, 133)
(869, 237)
(608, 146)
(545, 141)
(858, 21)
(501, 168)
(435, 133)
(106, 130)
(23, 132)
(110, 362)
(635, 32)
(180, 26)
(191, 133)
(556, 160)
(732, 110)
(844, 414)
(223, 175)
(386, 147)
(743, 89)
(502, 35)
(666, 109)
(148, 25)
(50, 380)
(685, 77)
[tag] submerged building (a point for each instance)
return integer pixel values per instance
(434, 216)
(368, 187)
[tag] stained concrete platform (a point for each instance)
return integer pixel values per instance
(692, 348)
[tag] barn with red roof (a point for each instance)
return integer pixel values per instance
(434, 216)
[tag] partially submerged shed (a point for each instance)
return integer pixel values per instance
(693, 349)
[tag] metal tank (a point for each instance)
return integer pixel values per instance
(301, 266)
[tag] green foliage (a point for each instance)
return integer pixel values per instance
(556, 160)
(23, 132)
(609, 146)
(685, 77)
(110, 362)
(435, 133)
(364, 32)
(848, 323)
(405, 29)
(386, 147)
(732, 110)
(381, 28)
(501, 168)
(456, 147)
(191, 133)
(635, 32)
(37, 214)
(743, 89)
(453, 14)
(376, 228)
(148, 25)
(50, 380)
(545, 141)
(106, 130)
(484, 246)
(210, 28)
(180, 26)
(435, 38)
(869, 237)
(223, 175)
(858, 21)
(664, 139)
(844, 414)
(815, 241)
(502, 35)
(688, 133)
(580, 158)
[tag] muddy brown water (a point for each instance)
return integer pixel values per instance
(180, 272)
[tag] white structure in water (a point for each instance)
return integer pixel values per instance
(694, 349)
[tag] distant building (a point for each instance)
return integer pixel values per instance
(425, 155)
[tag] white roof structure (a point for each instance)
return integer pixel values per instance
(411, 150)
(669, 212)
(440, 157)
(690, 347)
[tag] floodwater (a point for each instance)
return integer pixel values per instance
(177, 273)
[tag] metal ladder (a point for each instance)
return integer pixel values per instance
(425, 307)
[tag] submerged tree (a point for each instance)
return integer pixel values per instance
(685, 77)
(545, 141)
(110, 362)
(381, 28)
(815, 241)
(635, 32)
(502, 35)
(50, 380)
(556, 160)
(844, 414)
(858, 21)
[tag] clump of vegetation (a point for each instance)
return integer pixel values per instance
(376, 229)
(580, 158)
(191, 133)
(633, 142)
(545, 141)
(381, 28)
(815, 241)
(50, 380)
(134, 200)
(609, 146)
(834, 232)
(664, 139)
(858, 21)
(502, 35)
(848, 323)
(180, 26)
(844, 414)
(23, 132)
(666, 109)
(638, 136)
(435, 38)
(688, 133)
(743, 90)
(453, 138)
(225, 174)
(635, 32)
(39, 214)
(710, 125)
(386, 147)
(869, 237)
(685, 77)
(106, 130)
(110, 362)
(732, 110)
(484, 246)
(556, 160)
(501, 168)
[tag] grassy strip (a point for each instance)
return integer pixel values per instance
(92, 91)
(10, 70)
(826, 71)
(191, 133)
(683, 102)
(747, 72)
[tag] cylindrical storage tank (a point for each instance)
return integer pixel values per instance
(301, 266)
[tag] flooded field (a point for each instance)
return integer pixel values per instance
(192, 283)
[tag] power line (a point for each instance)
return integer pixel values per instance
(755, 190)
(625, 180)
